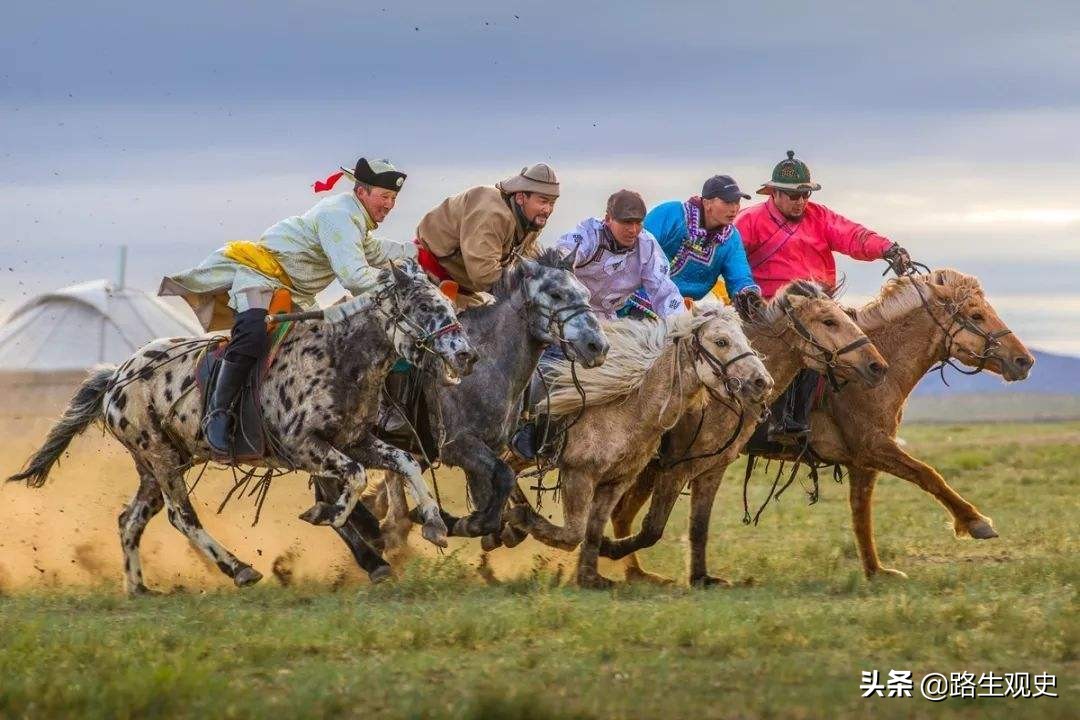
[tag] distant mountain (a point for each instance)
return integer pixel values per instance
(1052, 375)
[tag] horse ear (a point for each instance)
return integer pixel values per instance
(530, 267)
(688, 303)
(401, 277)
(449, 288)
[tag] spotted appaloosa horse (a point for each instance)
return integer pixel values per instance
(319, 399)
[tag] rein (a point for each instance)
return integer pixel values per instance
(829, 358)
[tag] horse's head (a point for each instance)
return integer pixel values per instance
(423, 326)
(974, 333)
(825, 335)
(558, 309)
(723, 358)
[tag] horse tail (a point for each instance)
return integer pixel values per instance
(85, 407)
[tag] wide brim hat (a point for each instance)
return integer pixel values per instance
(538, 178)
(790, 174)
(377, 173)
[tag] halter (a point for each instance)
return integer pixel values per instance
(421, 339)
(829, 358)
(720, 367)
(958, 323)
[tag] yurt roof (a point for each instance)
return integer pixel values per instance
(81, 325)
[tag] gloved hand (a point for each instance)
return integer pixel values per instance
(899, 260)
(749, 304)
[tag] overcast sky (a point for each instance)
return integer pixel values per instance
(953, 128)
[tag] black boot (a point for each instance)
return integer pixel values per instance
(789, 419)
(217, 424)
(527, 439)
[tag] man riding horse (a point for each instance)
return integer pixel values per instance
(302, 254)
(703, 246)
(471, 237)
(788, 238)
(612, 257)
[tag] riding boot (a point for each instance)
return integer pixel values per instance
(217, 424)
(247, 345)
(526, 441)
(789, 420)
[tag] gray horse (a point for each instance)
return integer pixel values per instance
(319, 400)
(539, 303)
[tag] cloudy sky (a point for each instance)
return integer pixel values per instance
(952, 128)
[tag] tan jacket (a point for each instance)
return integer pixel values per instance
(474, 235)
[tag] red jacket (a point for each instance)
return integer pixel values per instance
(781, 250)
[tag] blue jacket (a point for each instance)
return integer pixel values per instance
(694, 273)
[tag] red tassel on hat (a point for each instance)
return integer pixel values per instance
(328, 183)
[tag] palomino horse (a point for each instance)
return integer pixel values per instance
(539, 303)
(319, 401)
(800, 328)
(657, 373)
(916, 322)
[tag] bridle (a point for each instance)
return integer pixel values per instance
(829, 358)
(421, 338)
(719, 367)
(958, 323)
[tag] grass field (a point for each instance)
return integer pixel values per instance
(789, 641)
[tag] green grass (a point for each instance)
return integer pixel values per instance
(789, 641)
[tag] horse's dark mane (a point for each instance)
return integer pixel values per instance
(511, 277)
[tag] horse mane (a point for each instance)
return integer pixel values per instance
(636, 345)
(901, 295)
(512, 274)
(773, 312)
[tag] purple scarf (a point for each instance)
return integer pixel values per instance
(699, 243)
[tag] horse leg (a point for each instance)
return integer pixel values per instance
(375, 453)
(577, 494)
(184, 518)
(861, 498)
(888, 457)
(396, 525)
(604, 499)
(665, 492)
(490, 482)
(146, 503)
(339, 465)
(702, 494)
(358, 532)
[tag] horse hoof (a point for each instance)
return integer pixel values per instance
(380, 574)
(707, 581)
(884, 573)
(595, 581)
(320, 513)
(435, 533)
(639, 575)
(247, 576)
(141, 590)
(490, 542)
(981, 530)
(512, 536)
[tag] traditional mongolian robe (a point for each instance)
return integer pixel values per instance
(612, 273)
(471, 237)
(782, 250)
(303, 253)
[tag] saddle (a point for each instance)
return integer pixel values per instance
(404, 419)
(249, 441)
(789, 403)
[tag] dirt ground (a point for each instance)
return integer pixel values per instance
(65, 534)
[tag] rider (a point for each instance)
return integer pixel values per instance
(703, 245)
(787, 238)
(303, 254)
(469, 238)
(615, 256)
(612, 258)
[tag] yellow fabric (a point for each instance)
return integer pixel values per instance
(257, 257)
(720, 291)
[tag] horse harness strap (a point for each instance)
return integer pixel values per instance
(829, 358)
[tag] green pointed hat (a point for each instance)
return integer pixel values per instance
(790, 174)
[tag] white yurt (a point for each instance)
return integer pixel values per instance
(48, 343)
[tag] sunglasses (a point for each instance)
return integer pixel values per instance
(797, 194)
